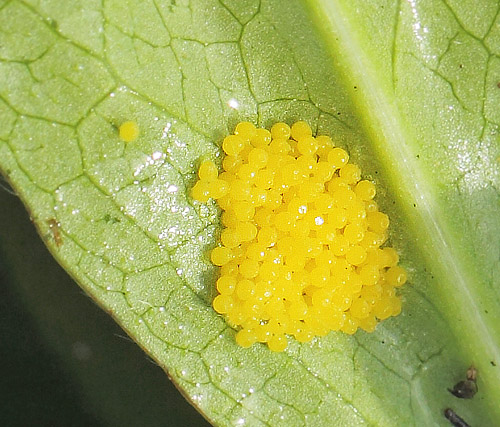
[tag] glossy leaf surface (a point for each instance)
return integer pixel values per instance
(409, 88)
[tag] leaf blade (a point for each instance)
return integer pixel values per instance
(460, 282)
(118, 219)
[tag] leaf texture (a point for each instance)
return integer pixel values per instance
(409, 88)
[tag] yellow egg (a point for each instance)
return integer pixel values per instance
(208, 171)
(300, 129)
(128, 131)
(301, 246)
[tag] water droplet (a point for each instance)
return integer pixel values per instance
(319, 220)
(233, 103)
(166, 129)
(172, 188)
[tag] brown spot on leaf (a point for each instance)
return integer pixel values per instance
(467, 388)
(55, 232)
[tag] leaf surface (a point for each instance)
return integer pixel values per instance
(410, 89)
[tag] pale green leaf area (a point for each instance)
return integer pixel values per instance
(409, 88)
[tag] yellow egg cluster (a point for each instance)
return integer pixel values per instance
(300, 253)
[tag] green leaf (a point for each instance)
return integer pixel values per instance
(409, 88)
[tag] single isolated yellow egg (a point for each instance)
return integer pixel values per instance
(128, 131)
(301, 252)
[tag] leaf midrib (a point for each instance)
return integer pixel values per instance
(385, 127)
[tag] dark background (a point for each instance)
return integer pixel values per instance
(63, 361)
